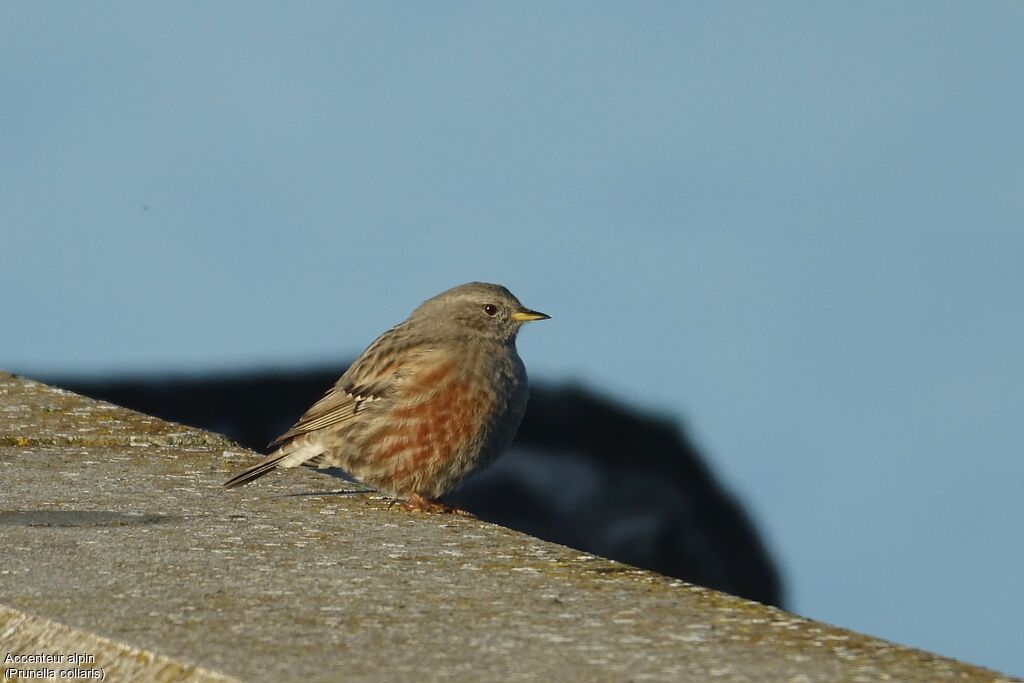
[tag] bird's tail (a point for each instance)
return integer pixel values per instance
(285, 457)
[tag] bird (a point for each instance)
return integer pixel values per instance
(432, 400)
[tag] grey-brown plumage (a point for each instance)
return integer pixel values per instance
(430, 401)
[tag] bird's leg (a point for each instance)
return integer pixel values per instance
(417, 503)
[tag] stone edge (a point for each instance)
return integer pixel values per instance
(24, 634)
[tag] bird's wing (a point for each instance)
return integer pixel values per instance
(370, 378)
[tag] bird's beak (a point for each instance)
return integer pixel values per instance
(526, 315)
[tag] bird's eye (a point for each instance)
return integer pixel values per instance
(490, 309)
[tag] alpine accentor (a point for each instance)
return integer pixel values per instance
(432, 400)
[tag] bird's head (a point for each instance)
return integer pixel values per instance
(477, 309)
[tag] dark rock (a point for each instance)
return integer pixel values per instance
(584, 472)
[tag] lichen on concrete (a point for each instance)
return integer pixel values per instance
(115, 526)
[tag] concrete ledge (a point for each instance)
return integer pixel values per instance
(114, 524)
(69, 654)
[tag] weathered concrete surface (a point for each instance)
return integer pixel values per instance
(114, 524)
(85, 655)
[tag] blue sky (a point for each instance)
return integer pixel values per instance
(796, 227)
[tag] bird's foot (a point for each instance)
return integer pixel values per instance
(417, 503)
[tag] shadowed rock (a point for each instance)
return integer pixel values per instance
(584, 472)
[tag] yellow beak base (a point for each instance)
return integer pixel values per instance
(527, 315)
